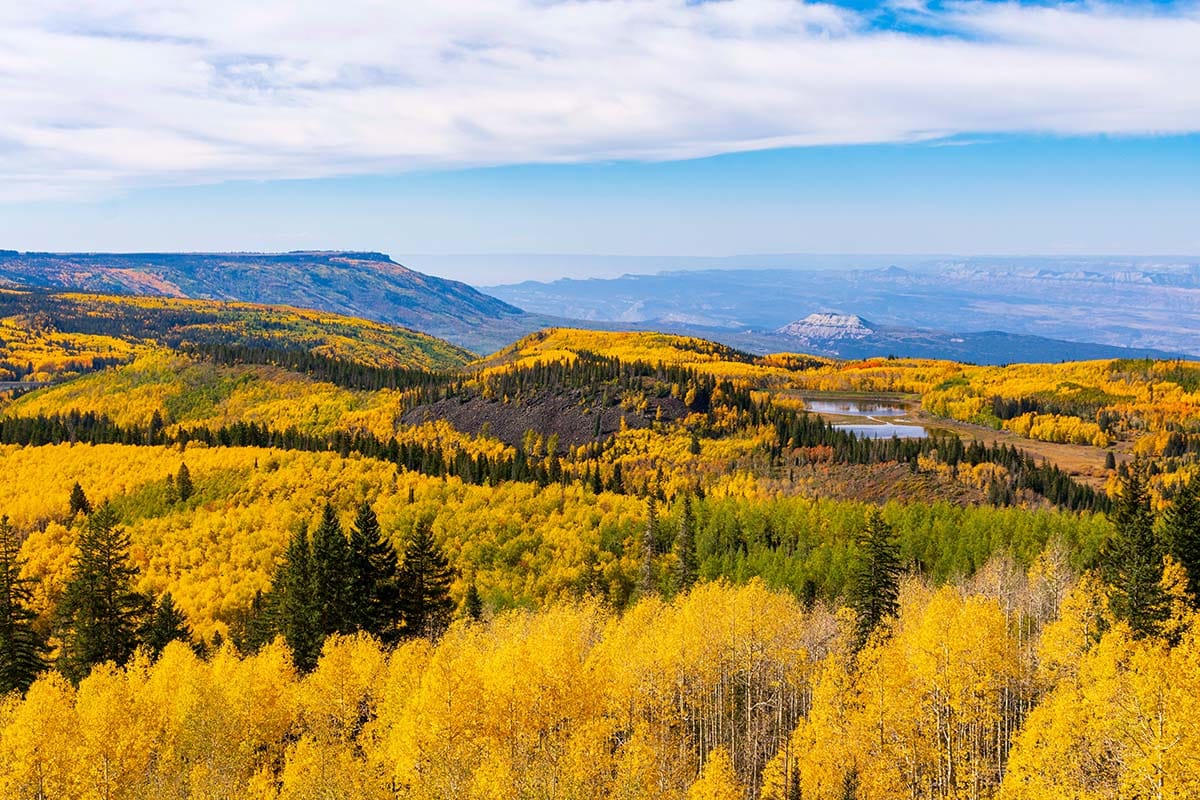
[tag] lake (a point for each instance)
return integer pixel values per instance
(880, 413)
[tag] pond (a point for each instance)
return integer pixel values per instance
(877, 416)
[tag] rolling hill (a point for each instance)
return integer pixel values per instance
(599, 500)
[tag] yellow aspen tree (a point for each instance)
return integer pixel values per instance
(39, 742)
(717, 780)
(115, 746)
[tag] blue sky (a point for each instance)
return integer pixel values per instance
(636, 127)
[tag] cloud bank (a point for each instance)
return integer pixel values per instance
(167, 92)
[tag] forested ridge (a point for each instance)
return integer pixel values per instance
(229, 567)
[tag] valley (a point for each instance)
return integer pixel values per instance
(586, 492)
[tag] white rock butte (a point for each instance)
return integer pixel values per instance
(828, 327)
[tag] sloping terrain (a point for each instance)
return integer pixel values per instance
(367, 285)
(123, 322)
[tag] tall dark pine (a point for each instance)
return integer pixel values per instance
(649, 549)
(331, 574)
(22, 647)
(166, 624)
(292, 602)
(100, 612)
(183, 483)
(79, 501)
(875, 581)
(686, 568)
(374, 577)
(473, 603)
(425, 578)
(1132, 558)
(1182, 524)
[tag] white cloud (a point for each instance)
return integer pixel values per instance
(157, 92)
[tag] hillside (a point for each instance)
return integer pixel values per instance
(632, 524)
(42, 327)
(366, 285)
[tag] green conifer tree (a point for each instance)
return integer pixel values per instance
(795, 790)
(686, 568)
(1182, 528)
(293, 607)
(646, 585)
(1132, 559)
(100, 612)
(875, 581)
(331, 575)
(22, 647)
(79, 501)
(473, 604)
(425, 578)
(374, 577)
(166, 624)
(183, 483)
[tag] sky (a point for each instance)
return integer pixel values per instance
(632, 127)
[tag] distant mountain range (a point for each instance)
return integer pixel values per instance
(1150, 305)
(369, 285)
(850, 336)
(965, 310)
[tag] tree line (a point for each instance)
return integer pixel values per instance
(326, 584)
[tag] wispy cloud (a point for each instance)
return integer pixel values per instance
(160, 92)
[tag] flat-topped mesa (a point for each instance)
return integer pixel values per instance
(828, 327)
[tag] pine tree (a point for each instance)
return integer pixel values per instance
(850, 784)
(331, 575)
(256, 626)
(685, 548)
(293, 607)
(875, 582)
(22, 647)
(166, 624)
(374, 577)
(1182, 528)
(1132, 559)
(79, 501)
(794, 791)
(183, 483)
(649, 549)
(473, 604)
(100, 612)
(425, 578)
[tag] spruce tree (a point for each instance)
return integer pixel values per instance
(794, 791)
(686, 569)
(473, 603)
(100, 611)
(374, 577)
(649, 549)
(79, 501)
(166, 624)
(22, 647)
(257, 625)
(875, 581)
(331, 575)
(293, 606)
(1132, 559)
(425, 577)
(183, 483)
(1182, 528)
